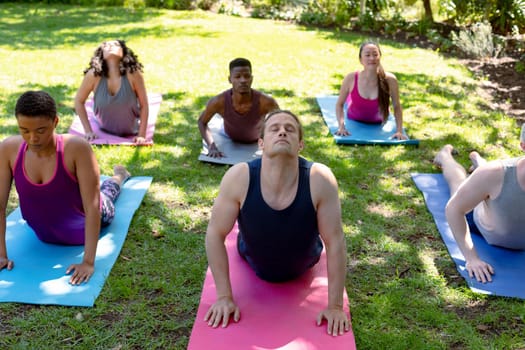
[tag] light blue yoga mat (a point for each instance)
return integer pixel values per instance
(361, 133)
(38, 276)
(509, 264)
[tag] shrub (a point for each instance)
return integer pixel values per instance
(476, 41)
(520, 65)
(329, 13)
(502, 14)
(206, 4)
(369, 22)
(396, 23)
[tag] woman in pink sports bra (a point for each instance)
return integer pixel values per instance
(367, 93)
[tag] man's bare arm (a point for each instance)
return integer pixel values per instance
(326, 198)
(224, 213)
(214, 106)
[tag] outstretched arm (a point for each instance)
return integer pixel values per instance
(214, 105)
(140, 90)
(6, 179)
(88, 177)
(87, 86)
(346, 86)
(326, 198)
(224, 213)
(398, 111)
(472, 192)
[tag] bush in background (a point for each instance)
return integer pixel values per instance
(476, 41)
(288, 10)
(505, 16)
(329, 13)
(167, 4)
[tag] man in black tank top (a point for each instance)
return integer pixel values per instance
(283, 204)
(241, 108)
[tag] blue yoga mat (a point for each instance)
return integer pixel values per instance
(509, 264)
(39, 273)
(361, 133)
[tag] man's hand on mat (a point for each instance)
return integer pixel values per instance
(342, 132)
(480, 270)
(81, 273)
(338, 322)
(5, 263)
(214, 152)
(89, 136)
(221, 311)
(399, 136)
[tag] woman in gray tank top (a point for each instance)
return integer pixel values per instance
(114, 76)
(488, 202)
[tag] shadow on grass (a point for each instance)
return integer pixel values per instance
(24, 29)
(59, 92)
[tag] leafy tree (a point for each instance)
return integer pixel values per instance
(504, 15)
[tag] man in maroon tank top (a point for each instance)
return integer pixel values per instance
(241, 107)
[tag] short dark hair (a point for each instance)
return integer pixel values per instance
(36, 104)
(278, 111)
(240, 62)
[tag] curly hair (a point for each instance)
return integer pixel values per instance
(129, 62)
(36, 104)
(383, 88)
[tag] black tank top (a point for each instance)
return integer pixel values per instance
(279, 244)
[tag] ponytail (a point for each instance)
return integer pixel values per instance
(383, 93)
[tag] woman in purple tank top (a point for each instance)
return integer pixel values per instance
(367, 93)
(58, 184)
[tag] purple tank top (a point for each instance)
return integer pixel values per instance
(362, 109)
(244, 128)
(54, 209)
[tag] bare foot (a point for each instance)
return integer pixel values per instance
(447, 151)
(476, 159)
(120, 173)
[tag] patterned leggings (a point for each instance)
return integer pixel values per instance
(109, 192)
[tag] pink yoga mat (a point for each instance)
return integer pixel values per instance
(273, 315)
(104, 138)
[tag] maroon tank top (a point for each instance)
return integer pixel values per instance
(246, 127)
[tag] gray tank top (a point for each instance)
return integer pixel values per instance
(117, 114)
(504, 223)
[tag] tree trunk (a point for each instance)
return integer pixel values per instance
(363, 7)
(428, 10)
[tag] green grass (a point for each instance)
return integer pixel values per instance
(403, 287)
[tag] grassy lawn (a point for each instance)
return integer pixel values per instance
(404, 290)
